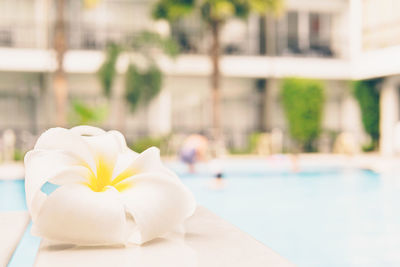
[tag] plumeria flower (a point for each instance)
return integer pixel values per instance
(106, 194)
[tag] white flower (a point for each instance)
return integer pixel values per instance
(107, 193)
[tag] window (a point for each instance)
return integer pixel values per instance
(5, 38)
(304, 33)
(319, 33)
(293, 32)
(89, 40)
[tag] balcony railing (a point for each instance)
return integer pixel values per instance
(92, 37)
(86, 37)
(190, 43)
(22, 35)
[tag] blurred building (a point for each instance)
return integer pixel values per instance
(335, 41)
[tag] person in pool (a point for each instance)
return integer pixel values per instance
(194, 149)
(216, 168)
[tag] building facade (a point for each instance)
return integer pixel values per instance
(335, 41)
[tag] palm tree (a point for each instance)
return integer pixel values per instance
(60, 81)
(142, 84)
(60, 85)
(215, 13)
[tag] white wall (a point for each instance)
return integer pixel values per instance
(191, 103)
(380, 23)
(18, 108)
(189, 100)
(342, 112)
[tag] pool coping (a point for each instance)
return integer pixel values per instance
(209, 241)
(12, 170)
(12, 228)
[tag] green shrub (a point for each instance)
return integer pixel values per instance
(144, 143)
(254, 138)
(142, 85)
(82, 113)
(239, 151)
(303, 102)
(367, 95)
(18, 155)
(251, 146)
(368, 147)
(107, 71)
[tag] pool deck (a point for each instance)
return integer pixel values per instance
(209, 241)
(12, 227)
(11, 170)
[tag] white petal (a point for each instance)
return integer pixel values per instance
(108, 145)
(121, 139)
(87, 130)
(40, 167)
(124, 161)
(77, 215)
(66, 140)
(157, 205)
(72, 175)
(147, 161)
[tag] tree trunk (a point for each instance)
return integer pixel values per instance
(59, 79)
(267, 47)
(215, 83)
(120, 108)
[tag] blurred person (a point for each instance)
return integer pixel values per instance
(194, 149)
(217, 170)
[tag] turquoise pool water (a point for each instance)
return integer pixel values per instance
(326, 216)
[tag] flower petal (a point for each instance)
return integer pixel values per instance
(75, 214)
(40, 167)
(147, 161)
(121, 139)
(72, 175)
(87, 130)
(157, 205)
(124, 161)
(108, 145)
(66, 140)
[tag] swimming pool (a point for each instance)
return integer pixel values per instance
(322, 216)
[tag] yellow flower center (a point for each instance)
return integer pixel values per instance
(102, 180)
